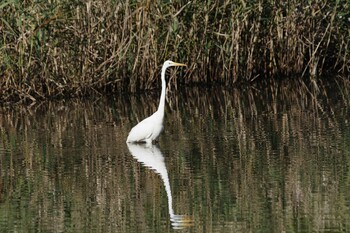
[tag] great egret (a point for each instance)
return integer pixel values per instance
(148, 130)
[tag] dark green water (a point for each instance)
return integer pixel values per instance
(257, 160)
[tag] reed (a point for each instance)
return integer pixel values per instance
(60, 48)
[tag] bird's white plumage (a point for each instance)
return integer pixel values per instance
(149, 129)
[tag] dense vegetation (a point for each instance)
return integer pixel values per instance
(62, 48)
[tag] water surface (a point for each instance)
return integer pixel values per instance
(257, 160)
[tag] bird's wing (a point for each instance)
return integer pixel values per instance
(142, 130)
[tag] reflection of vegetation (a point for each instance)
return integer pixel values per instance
(63, 48)
(252, 160)
(276, 159)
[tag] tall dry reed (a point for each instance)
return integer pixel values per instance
(57, 49)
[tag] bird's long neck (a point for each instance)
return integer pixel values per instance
(162, 95)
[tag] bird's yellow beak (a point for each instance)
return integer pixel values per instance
(178, 64)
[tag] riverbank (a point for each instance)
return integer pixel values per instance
(66, 49)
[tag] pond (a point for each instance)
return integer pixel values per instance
(263, 159)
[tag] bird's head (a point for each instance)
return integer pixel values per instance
(169, 63)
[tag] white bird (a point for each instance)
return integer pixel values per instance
(150, 128)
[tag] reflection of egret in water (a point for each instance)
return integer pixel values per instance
(150, 156)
